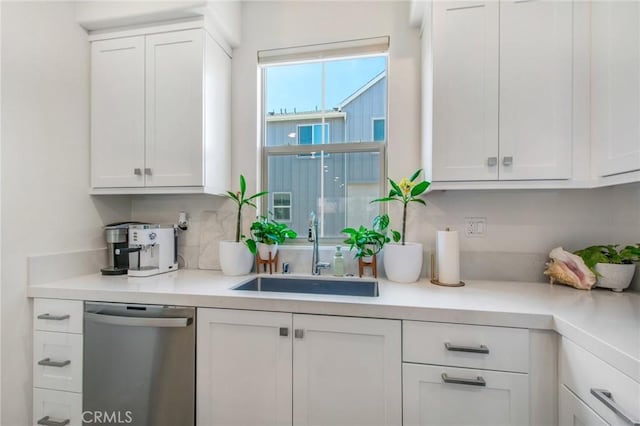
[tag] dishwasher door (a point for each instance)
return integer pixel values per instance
(139, 365)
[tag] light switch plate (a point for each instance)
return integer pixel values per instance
(475, 226)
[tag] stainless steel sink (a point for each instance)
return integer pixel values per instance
(312, 285)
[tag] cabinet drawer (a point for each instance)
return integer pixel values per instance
(584, 374)
(57, 406)
(435, 395)
(459, 345)
(57, 315)
(575, 412)
(57, 361)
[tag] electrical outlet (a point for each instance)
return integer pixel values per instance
(475, 226)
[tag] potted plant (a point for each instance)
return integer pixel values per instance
(403, 262)
(236, 256)
(368, 242)
(267, 234)
(614, 268)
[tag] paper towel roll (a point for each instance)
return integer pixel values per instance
(448, 253)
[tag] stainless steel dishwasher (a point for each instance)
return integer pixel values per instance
(139, 365)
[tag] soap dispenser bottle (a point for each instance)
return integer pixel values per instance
(338, 263)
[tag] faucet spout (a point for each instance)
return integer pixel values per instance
(316, 265)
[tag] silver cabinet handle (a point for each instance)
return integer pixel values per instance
(53, 317)
(48, 363)
(137, 171)
(492, 161)
(284, 331)
(147, 171)
(478, 381)
(482, 349)
(138, 321)
(298, 333)
(507, 161)
(606, 398)
(46, 421)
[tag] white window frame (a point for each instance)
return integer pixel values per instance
(289, 207)
(320, 151)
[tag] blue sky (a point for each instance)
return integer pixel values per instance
(300, 86)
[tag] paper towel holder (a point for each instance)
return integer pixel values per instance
(434, 279)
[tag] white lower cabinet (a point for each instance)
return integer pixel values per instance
(435, 395)
(279, 368)
(572, 411)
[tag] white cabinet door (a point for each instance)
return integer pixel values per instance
(615, 86)
(428, 400)
(174, 114)
(465, 75)
(117, 112)
(347, 371)
(243, 368)
(573, 412)
(535, 89)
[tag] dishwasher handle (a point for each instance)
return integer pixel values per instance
(138, 321)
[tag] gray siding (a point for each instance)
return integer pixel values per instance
(360, 112)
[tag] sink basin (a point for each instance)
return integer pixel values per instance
(310, 285)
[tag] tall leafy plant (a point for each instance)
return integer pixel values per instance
(408, 190)
(241, 199)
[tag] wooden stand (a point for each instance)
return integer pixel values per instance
(373, 265)
(273, 264)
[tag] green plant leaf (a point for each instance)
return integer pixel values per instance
(384, 200)
(419, 188)
(251, 244)
(259, 194)
(396, 236)
(395, 187)
(243, 187)
(232, 195)
(418, 200)
(415, 175)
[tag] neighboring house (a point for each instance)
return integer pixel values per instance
(350, 180)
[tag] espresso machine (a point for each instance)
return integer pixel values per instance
(152, 249)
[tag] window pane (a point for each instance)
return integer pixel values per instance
(281, 199)
(282, 214)
(338, 187)
(357, 88)
(378, 130)
(305, 135)
(292, 94)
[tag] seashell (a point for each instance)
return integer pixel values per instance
(567, 268)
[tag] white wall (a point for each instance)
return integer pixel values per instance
(45, 170)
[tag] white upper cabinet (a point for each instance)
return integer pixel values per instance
(502, 91)
(535, 90)
(160, 113)
(117, 112)
(615, 87)
(465, 88)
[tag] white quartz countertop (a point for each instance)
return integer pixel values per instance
(601, 321)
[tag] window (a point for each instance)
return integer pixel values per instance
(281, 202)
(323, 137)
(378, 129)
(313, 134)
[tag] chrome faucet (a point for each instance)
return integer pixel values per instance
(316, 266)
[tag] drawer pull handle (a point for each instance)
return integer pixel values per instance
(606, 398)
(46, 421)
(53, 317)
(284, 331)
(482, 349)
(298, 333)
(48, 363)
(478, 381)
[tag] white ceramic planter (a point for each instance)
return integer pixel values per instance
(615, 277)
(403, 263)
(235, 258)
(265, 249)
